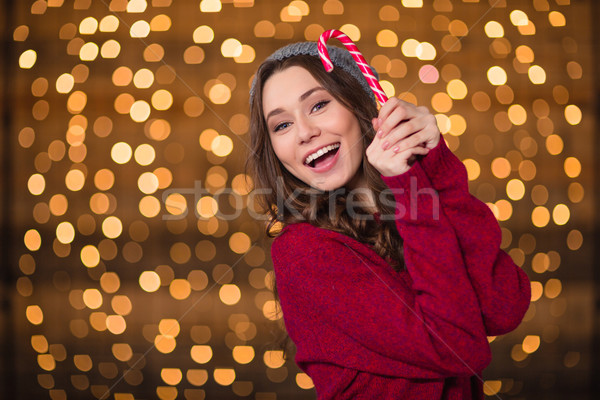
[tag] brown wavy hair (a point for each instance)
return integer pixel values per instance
(325, 209)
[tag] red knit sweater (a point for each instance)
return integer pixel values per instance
(364, 331)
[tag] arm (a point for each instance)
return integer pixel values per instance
(502, 288)
(432, 325)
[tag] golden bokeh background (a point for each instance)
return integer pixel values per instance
(134, 264)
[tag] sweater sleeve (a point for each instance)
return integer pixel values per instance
(430, 324)
(503, 289)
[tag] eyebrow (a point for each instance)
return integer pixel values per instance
(302, 97)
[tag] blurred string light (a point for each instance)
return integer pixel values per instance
(120, 158)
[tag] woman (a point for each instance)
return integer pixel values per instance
(389, 273)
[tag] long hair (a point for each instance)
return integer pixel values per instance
(325, 209)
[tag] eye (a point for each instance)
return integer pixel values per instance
(281, 126)
(320, 105)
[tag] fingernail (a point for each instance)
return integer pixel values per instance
(385, 145)
(379, 133)
(396, 149)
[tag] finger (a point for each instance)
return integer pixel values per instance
(415, 140)
(403, 131)
(395, 115)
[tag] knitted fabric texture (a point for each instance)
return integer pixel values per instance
(365, 331)
(340, 58)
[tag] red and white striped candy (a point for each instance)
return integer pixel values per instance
(356, 54)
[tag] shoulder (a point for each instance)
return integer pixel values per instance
(302, 236)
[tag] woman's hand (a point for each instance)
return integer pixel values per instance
(403, 132)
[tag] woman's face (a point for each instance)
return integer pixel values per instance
(306, 123)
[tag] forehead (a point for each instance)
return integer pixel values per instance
(285, 87)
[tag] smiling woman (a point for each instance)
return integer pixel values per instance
(389, 273)
(304, 120)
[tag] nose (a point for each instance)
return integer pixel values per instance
(306, 129)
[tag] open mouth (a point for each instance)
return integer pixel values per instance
(325, 158)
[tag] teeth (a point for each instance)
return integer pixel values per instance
(320, 152)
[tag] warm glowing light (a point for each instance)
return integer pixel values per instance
(110, 23)
(224, 376)
(207, 207)
(388, 38)
(412, 3)
(515, 189)
(143, 78)
(536, 291)
(239, 242)
(425, 51)
(112, 227)
(92, 298)
(441, 102)
(524, 54)
(519, 18)
(74, 180)
(116, 324)
(121, 152)
(139, 29)
(201, 354)
(458, 125)
(230, 294)
(536, 74)
(553, 288)
(160, 23)
(556, 18)
(428, 74)
(572, 167)
(501, 167)
(540, 216)
(149, 281)
(231, 48)
(122, 351)
(144, 154)
(27, 59)
(162, 100)
(89, 51)
(517, 114)
(248, 55)
(140, 111)
(554, 144)
(32, 240)
(169, 327)
(208, 6)
(180, 289)
(203, 34)
(304, 381)
(136, 6)
(456, 89)
(222, 145)
(90, 256)
(243, 354)
(36, 184)
(65, 233)
(561, 214)
(164, 344)
(573, 114)
(65, 83)
(88, 26)
(531, 343)
(493, 29)
(176, 204)
(34, 315)
(496, 75)
(110, 282)
(473, 168)
(171, 376)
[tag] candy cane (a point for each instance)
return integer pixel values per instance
(356, 54)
